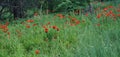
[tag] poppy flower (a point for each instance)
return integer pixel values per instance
(110, 6)
(46, 30)
(105, 9)
(77, 22)
(60, 16)
(37, 51)
(86, 14)
(118, 15)
(54, 27)
(74, 19)
(48, 23)
(29, 21)
(34, 24)
(118, 10)
(5, 30)
(99, 15)
(27, 26)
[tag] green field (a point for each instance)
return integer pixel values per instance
(63, 35)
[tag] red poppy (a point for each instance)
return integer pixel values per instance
(5, 30)
(74, 19)
(44, 26)
(61, 16)
(86, 14)
(118, 10)
(54, 27)
(3, 26)
(77, 22)
(48, 23)
(110, 6)
(29, 21)
(34, 24)
(27, 26)
(105, 9)
(37, 51)
(99, 15)
(57, 29)
(46, 30)
(118, 15)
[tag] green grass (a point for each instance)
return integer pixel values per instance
(83, 40)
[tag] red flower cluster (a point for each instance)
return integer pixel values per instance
(45, 29)
(55, 27)
(61, 16)
(30, 21)
(4, 28)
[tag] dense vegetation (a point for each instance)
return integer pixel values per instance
(59, 28)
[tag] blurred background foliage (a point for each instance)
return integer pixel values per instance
(14, 9)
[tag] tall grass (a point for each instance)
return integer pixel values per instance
(92, 37)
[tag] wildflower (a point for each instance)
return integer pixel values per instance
(99, 15)
(48, 23)
(111, 12)
(105, 9)
(34, 24)
(3, 26)
(118, 15)
(86, 14)
(5, 30)
(61, 16)
(72, 24)
(118, 10)
(29, 21)
(107, 14)
(77, 22)
(27, 26)
(44, 26)
(110, 6)
(54, 27)
(46, 30)
(37, 51)
(73, 19)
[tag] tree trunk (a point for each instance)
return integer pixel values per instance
(17, 9)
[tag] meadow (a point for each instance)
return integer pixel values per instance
(63, 35)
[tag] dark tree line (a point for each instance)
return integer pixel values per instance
(18, 8)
